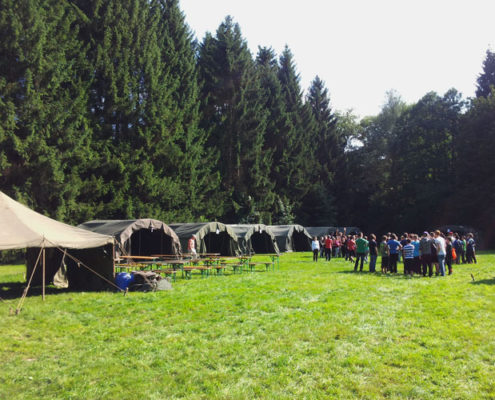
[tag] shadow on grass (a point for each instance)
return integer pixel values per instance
(387, 276)
(484, 282)
(14, 290)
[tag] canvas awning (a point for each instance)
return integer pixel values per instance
(291, 237)
(211, 237)
(255, 238)
(138, 236)
(22, 228)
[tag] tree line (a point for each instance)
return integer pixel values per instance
(114, 110)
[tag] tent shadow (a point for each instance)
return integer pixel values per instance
(484, 282)
(14, 290)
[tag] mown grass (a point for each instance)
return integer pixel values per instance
(309, 330)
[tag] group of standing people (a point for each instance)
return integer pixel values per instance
(420, 254)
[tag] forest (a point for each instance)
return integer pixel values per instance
(114, 110)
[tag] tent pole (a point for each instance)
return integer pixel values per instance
(43, 278)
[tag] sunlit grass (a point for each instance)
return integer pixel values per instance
(308, 330)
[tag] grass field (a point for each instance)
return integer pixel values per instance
(309, 330)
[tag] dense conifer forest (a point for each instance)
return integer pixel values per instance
(112, 109)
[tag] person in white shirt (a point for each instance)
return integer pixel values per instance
(441, 251)
(191, 247)
(315, 246)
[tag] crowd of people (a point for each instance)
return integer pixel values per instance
(428, 254)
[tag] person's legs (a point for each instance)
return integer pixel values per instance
(448, 262)
(315, 255)
(372, 263)
(441, 264)
(358, 256)
(384, 264)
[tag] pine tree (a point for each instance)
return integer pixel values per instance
(44, 132)
(233, 113)
(297, 168)
(319, 202)
(486, 81)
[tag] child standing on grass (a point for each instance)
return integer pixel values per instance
(315, 246)
(408, 252)
(385, 253)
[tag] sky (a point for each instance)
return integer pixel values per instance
(363, 48)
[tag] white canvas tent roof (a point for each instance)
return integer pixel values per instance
(22, 228)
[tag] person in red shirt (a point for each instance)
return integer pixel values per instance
(328, 248)
(336, 246)
(351, 248)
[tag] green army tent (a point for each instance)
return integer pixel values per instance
(319, 231)
(255, 239)
(138, 237)
(51, 244)
(211, 237)
(291, 237)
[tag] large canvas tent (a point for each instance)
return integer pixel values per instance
(47, 241)
(291, 237)
(257, 239)
(138, 237)
(349, 230)
(211, 237)
(319, 231)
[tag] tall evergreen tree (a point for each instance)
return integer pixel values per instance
(193, 164)
(43, 135)
(329, 148)
(234, 113)
(486, 81)
(297, 166)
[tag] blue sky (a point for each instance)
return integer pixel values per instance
(362, 49)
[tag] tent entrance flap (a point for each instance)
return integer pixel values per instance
(217, 243)
(145, 242)
(262, 243)
(300, 241)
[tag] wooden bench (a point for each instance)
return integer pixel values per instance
(170, 272)
(235, 267)
(267, 265)
(188, 270)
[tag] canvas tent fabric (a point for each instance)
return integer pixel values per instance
(139, 237)
(349, 230)
(211, 237)
(319, 231)
(291, 237)
(25, 228)
(255, 239)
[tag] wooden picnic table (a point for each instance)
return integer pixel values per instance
(138, 257)
(274, 256)
(169, 256)
(209, 255)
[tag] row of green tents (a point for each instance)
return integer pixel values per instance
(83, 257)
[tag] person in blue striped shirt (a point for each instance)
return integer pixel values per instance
(408, 251)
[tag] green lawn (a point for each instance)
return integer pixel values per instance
(309, 330)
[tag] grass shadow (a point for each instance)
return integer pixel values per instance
(387, 276)
(484, 282)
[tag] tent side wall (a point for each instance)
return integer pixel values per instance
(100, 259)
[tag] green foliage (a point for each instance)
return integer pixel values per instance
(234, 113)
(486, 81)
(43, 134)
